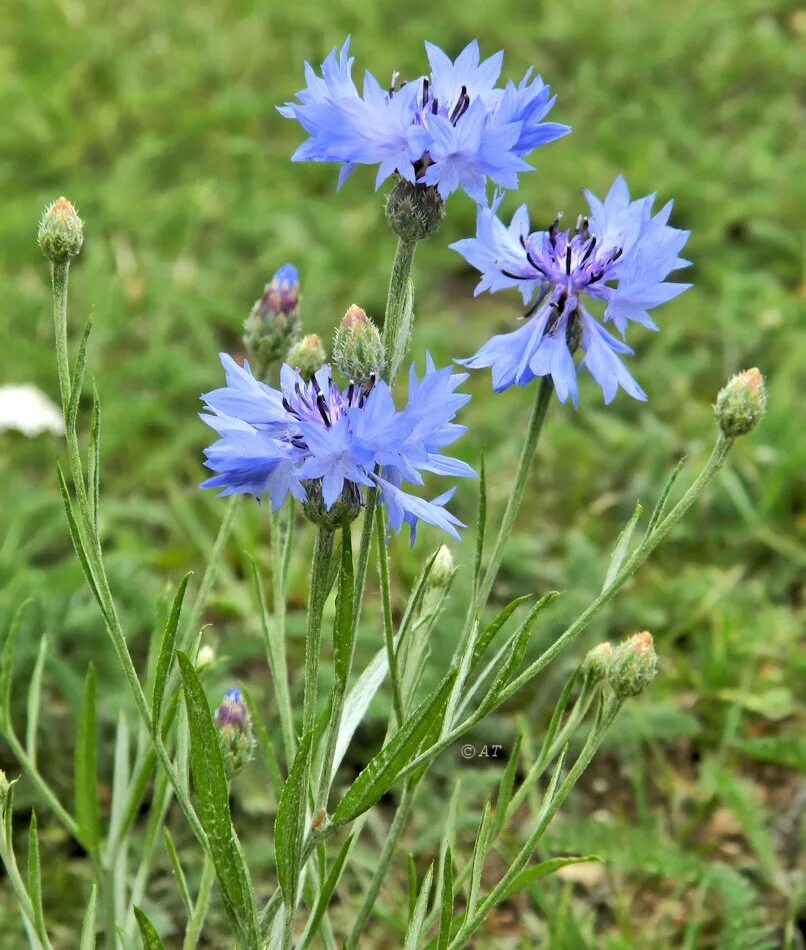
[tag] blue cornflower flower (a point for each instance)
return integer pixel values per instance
(452, 129)
(620, 256)
(340, 441)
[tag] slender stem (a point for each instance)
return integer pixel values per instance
(382, 867)
(320, 569)
(397, 322)
(35, 932)
(631, 565)
(388, 625)
(542, 400)
(196, 922)
(548, 811)
(280, 665)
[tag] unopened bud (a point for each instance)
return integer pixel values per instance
(357, 347)
(61, 232)
(235, 735)
(596, 664)
(414, 212)
(634, 665)
(274, 324)
(442, 569)
(205, 656)
(741, 404)
(307, 356)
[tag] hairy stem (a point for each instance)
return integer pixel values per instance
(398, 318)
(388, 624)
(320, 569)
(196, 922)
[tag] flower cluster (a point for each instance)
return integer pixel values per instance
(315, 440)
(451, 129)
(619, 256)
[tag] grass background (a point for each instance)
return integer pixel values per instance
(158, 121)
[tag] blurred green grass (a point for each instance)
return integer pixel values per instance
(158, 121)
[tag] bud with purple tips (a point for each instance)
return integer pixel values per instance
(273, 325)
(357, 347)
(235, 734)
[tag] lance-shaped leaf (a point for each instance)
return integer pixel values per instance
(167, 647)
(179, 874)
(481, 522)
(414, 933)
(622, 548)
(326, 892)
(490, 632)
(289, 826)
(381, 771)
(34, 699)
(660, 507)
(480, 849)
(7, 664)
(88, 924)
(94, 459)
(446, 909)
(529, 875)
(505, 788)
(212, 795)
(77, 381)
(151, 939)
(35, 880)
(86, 768)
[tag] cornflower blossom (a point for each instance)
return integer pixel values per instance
(339, 442)
(619, 256)
(452, 129)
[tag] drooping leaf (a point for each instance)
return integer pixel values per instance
(86, 768)
(289, 826)
(212, 795)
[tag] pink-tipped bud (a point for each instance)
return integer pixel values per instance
(357, 347)
(741, 404)
(633, 666)
(307, 356)
(274, 323)
(61, 232)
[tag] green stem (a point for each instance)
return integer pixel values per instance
(196, 922)
(382, 867)
(544, 391)
(398, 318)
(35, 931)
(548, 811)
(388, 625)
(280, 665)
(631, 565)
(320, 569)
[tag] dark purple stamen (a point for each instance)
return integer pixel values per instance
(461, 106)
(568, 260)
(589, 251)
(425, 92)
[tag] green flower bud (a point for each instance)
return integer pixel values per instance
(61, 232)
(596, 664)
(633, 666)
(274, 324)
(346, 508)
(442, 569)
(741, 404)
(357, 347)
(235, 736)
(414, 212)
(307, 356)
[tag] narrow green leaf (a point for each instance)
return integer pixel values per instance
(343, 630)
(557, 715)
(86, 768)
(660, 507)
(480, 849)
(622, 548)
(446, 909)
(788, 749)
(34, 700)
(382, 770)
(179, 874)
(415, 598)
(490, 632)
(78, 541)
(167, 648)
(151, 939)
(289, 825)
(35, 880)
(534, 873)
(77, 381)
(505, 788)
(411, 874)
(481, 522)
(326, 891)
(7, 663)
(264, 743)
(88, 925)
(414, 933)
(94, 460)
(212, 795)
(515, 655)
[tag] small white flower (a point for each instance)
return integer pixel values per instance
(28, 410)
